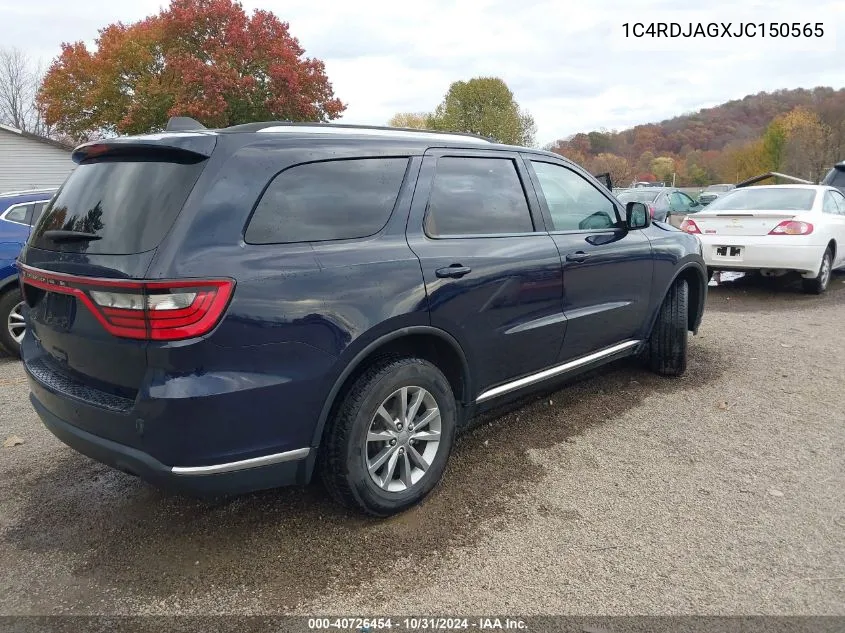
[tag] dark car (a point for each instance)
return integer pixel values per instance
(714, 191)
(836, 177)
(19, 211)
(662, 202)
(228, 310)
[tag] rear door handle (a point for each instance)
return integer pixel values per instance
(455, 271)
(578, 256)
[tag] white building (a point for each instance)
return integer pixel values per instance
(28, 161)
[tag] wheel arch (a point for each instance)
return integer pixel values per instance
(8, 282)
(423, 341)
(695, 274)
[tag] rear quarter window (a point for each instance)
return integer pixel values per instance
(331, 200)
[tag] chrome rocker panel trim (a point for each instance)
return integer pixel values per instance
(557, 370)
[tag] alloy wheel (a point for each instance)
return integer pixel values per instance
(403, 439)
(16, 323)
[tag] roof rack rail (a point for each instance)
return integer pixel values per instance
(346, 128)
(183, 124)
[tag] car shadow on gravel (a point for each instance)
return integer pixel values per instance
(738, 292)
(294, 543)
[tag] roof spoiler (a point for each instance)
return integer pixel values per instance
(183, 124)
(177, 146)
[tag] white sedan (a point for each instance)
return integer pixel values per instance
(775, 229)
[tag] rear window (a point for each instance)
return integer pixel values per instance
(718, 188)
(763, 199)
(128, 204)
(637, 196)
(332, 200)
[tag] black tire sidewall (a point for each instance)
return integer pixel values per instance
(8, 300)
(821, 283)
(413, 372)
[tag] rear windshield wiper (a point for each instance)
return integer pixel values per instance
(70, 236)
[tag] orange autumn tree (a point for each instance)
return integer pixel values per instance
(205, 59)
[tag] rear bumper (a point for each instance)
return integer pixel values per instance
(271, 471)
(782, 252)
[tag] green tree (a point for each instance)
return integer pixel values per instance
(663, 167)
(485, 106)
(774, 144)
(417, 120)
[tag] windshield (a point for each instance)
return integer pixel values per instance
(129, 205)
(637, 196)
(766, 199)
(718, 188)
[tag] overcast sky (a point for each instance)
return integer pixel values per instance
(567, 62)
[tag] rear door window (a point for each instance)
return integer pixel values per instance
(839, 199)
(331, 200)
(829, 205)
(129, 204)
(477, 196)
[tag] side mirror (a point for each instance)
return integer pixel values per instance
(637, 216)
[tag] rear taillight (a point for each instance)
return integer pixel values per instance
(650, 209)
(690, 227)
(150, 310)
(792, 227)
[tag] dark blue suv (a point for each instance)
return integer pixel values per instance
(227, 310)
(19, 210)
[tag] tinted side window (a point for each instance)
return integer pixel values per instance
(574, 203)
(18, 213)
(477, 196)
(333, 200)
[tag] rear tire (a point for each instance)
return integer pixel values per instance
(12, 326)
(818, 284)
(666, 349)
(351, 448)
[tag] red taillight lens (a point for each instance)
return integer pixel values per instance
(792, 227)
(690, 227)
(651, 209)
(151, 310)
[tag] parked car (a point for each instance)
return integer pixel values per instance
(836, 177)
(645, 183)
(661, 203)
(714, 191)
(775, 229)
(19, 210)
(228, 310)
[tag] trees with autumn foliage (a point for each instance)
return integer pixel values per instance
(800, 132)
(206, 59)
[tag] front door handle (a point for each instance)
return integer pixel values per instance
(455, 271)
(578, 256)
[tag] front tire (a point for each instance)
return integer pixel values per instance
(388, 442)
(666, 349)
(12, 324)
(818, 284)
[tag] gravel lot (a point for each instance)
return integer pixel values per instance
(722, 492)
